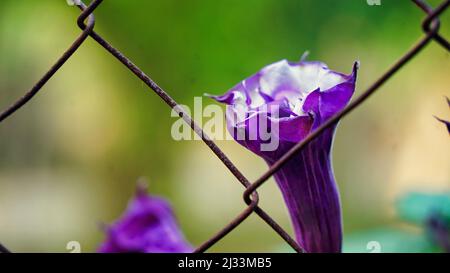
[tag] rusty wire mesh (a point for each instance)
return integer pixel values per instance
(86, 22)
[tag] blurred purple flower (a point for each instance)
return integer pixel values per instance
(294, 98)
(148, 226)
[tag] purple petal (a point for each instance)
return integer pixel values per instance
(325, 103)
(147, 226)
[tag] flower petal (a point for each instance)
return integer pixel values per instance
(148, 225)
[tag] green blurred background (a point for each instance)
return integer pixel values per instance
(70, 159)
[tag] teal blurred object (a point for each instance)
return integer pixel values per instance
(417, 207)
(383, 240)
(389, 240)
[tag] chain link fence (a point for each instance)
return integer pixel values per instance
(86, 22)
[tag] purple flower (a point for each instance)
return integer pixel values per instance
(148, 226)
(290, 100)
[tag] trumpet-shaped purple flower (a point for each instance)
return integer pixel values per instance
(291, 99)
(148, 226)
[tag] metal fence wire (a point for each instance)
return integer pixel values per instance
(86, 22)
